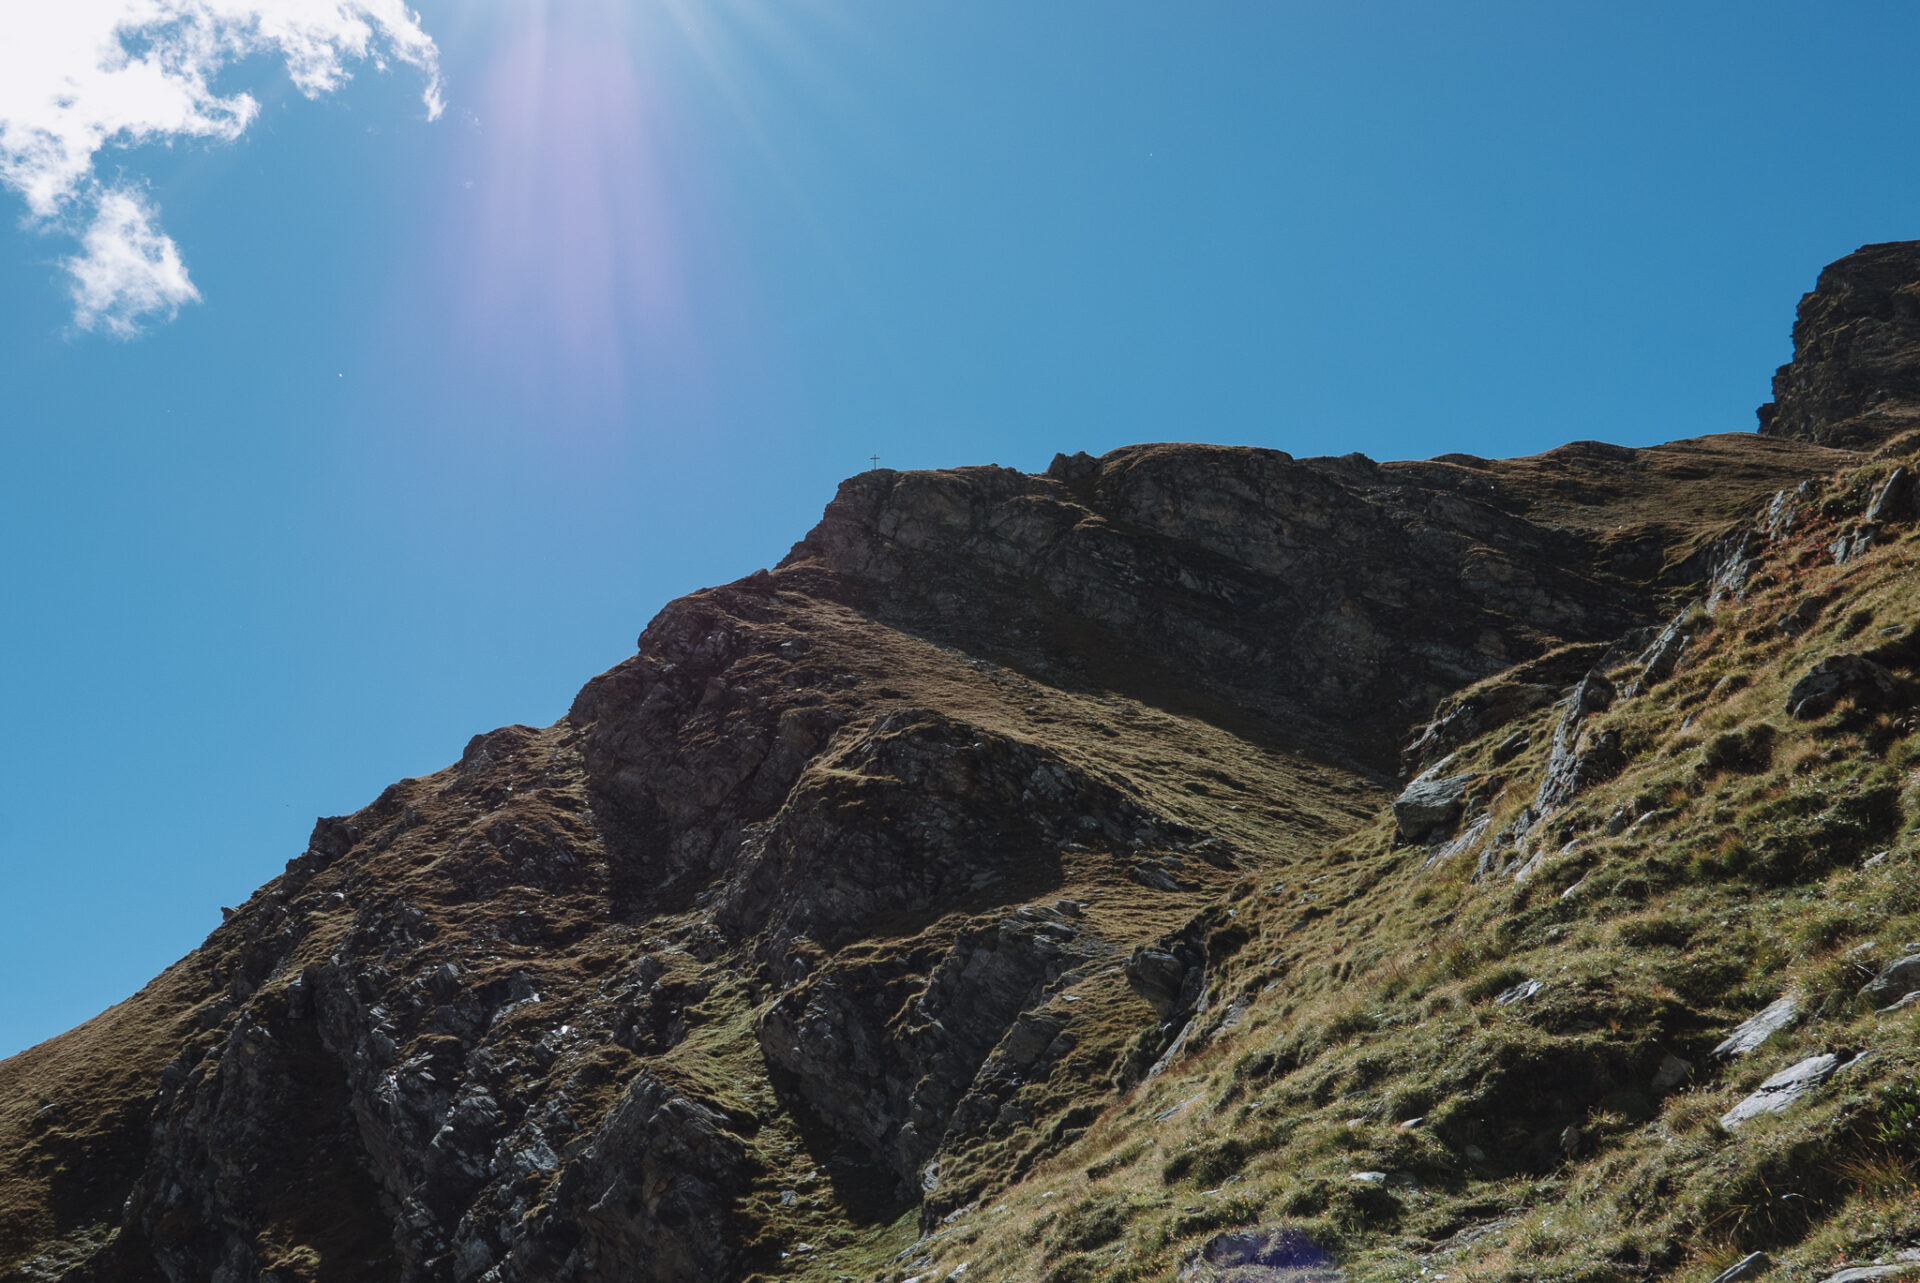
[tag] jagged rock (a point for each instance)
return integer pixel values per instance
(1732, 569)
(1076, 469)
(333, 836)
(1467, 839)
(1169, 979)
(1626, 648)
(1750, 1266)
(1783, 1090)
(1842, 677)
(1854, 544)
(1866, 1273)
(1897, 500)
(652, 1194)
(1854, 378)
(1580, 759)
(1518, 993)
(1783, 513)
(897, 1092)
(1663, 657)
(1594, 694)
(1532, 866)
(1898, 977)
(1429, 806)
(1507, 851)
(1753, 1031)
(1151, 874)
(1468, 717)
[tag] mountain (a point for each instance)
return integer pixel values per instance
(1192, 860)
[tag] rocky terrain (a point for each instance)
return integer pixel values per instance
(1190, 862)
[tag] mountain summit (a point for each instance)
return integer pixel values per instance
(1193, 859)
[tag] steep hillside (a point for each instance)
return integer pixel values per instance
(1626, 986)
(1009, 879)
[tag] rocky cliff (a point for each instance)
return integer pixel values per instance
(878, 890)
(1855, 375)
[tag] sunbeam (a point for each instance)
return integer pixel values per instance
(574, 235)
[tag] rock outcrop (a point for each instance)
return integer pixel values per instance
(1327, 603)
(1855, 375)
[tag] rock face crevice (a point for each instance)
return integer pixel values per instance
(870, 880)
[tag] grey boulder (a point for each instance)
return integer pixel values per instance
(1430, 806)
(1747, 1267)
(1838, 677)
(1862, 1273)
(1661, 658)
(1753, 1031)
(1895, 500)
(1899, 977)
(1783, 1090)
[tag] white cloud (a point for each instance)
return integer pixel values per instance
(127, 268)
(80, 76)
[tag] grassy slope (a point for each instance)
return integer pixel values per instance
(71, 1113)
(1774, 856)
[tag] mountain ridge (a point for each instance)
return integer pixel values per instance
(874, 883)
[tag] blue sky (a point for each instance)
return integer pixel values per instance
(458, 402)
